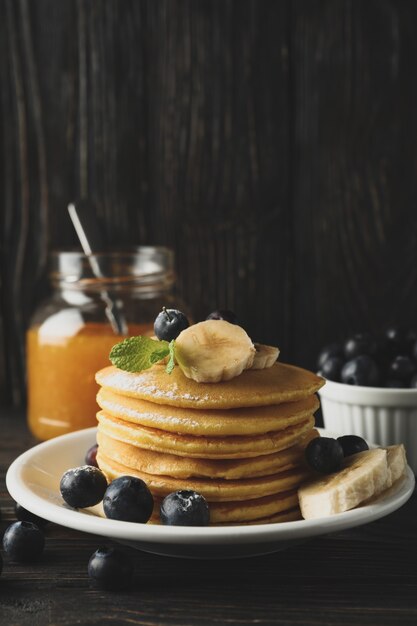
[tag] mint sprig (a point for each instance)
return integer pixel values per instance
(136, 354)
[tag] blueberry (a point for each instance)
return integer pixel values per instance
(91, 456)
(331, 350)
(111, 569)
(169, 323)
(410, 339)
(362, 370)
(24, 515)
(351, 444)
(128, 498)
(331, 368)
(185, 508)
(395, 341)
(413, 381)
(325, 455)
(23, 541)
(391, 383)
(83, 486)
(361, 343)
(1, 565)
(401, 368)
(223, 314)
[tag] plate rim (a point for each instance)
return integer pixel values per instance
(85, 521)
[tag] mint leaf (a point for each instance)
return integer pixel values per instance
(138, 353)
(171, 363)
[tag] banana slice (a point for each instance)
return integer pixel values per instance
(397, 463)
(265, 356)
(364, 475)
(214, 350)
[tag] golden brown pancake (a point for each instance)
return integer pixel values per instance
(231, 447)
(244, 511)
(214, 490)
(151, 462)
(274, 385)
(207, 422)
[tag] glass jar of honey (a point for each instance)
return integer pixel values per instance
(72, 333)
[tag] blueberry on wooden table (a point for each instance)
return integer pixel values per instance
(128, 499)
(351, 444)
(223, 314)
(24, 515)
(23, 541)
(184, 508)
(111, 569)
(83, 486)
(324, 455)
(169, 324)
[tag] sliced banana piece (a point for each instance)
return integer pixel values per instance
(397, 463)
(214, 350)
(364, 475)
(265, 356)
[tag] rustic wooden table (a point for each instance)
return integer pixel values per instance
(366, 576)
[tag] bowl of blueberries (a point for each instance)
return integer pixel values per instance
(371, 388)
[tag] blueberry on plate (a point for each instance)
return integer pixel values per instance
(1, 565)
(329, 351)
(169, 323)
(111, 569)
(24, 515)
(324, 455)
(23, 541)
(391, 383)
(223, 314)
(128, 498)
(184, 508)
(362, 370)
(360, 343)
(331, 368)
(351, 444)
(91, 456)
(413, 381)
(83, 486)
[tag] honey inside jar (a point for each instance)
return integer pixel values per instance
(61, 371)
(70, 336)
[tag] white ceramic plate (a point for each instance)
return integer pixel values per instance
(33, 481)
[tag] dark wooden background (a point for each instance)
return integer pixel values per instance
(272, 143)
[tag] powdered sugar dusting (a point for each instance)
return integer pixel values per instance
(137, 384)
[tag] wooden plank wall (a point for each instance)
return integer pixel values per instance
(271, 143)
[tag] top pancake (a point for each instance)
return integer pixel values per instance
(274, 385)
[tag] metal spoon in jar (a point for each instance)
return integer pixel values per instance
(91, 240)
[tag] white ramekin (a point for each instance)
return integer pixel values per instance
(382, 416)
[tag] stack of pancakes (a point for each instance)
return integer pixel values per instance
(239, 443)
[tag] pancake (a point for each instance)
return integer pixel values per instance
(207, 422)
(246, 510)
(214, 490)
(202, 447)
(151, 462)
(274, 385)
(278, 518)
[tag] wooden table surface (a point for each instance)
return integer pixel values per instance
(367, 575)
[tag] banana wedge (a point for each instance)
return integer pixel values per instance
(265, 356)
(397, 463)
(364, 475)
(214, 350)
